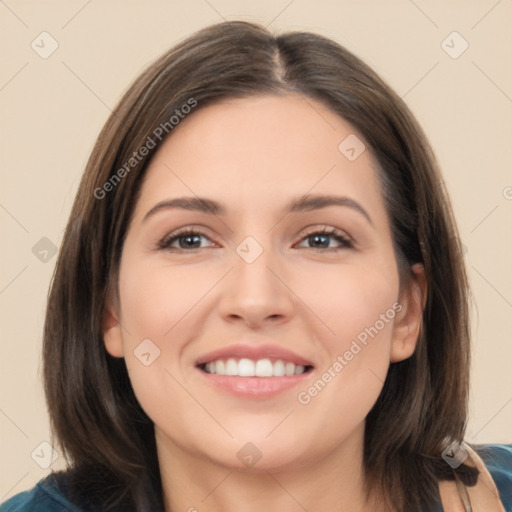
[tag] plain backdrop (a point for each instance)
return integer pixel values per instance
(450, 60)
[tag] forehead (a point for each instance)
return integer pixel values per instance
(288, 125)
(267, 146)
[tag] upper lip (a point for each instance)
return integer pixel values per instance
(254, 352)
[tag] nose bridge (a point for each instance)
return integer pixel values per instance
(253, 268)
(254, 291)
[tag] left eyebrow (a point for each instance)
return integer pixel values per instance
(315, 202)
(301, 204)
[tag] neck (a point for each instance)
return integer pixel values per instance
(333, 482)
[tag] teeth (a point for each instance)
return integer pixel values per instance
(278, 369)
(231, 367)
(289, 369)
(246, 368)
(249, 368)
(299, 369)
(264, 368)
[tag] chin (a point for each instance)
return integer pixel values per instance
(253, 453)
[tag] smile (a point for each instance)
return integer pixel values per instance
(254, 370)
(245, 367)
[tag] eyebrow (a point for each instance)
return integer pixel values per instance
(302, 204)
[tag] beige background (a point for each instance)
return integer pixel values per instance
(52, 109)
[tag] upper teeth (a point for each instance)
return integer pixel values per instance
(249, 368)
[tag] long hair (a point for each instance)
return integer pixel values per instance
(107, 438)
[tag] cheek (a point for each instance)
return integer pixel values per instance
(351, 299)
(359, 305)
(159, 309)
(156, 298)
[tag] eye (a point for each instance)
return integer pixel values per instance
(322, 238)
(187, 239)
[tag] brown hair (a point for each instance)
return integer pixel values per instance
(104, 433)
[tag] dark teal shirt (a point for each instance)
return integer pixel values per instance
(47, 497)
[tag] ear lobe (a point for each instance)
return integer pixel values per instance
(112, 333)
(408, 321)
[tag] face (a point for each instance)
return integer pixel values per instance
(272, 316)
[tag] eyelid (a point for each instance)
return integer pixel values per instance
(346, 241)
(327, 229)
(164, 243)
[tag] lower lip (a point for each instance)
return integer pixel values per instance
(254, 387)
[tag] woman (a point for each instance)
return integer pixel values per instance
(260, 300)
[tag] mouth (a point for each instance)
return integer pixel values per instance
(262, 368)
(261, 371)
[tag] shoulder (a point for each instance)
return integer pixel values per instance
(45, 496)
(498, 461)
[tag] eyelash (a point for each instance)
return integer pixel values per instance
(346, 242)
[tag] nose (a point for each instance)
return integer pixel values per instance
(257, 293)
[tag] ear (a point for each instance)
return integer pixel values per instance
(409, 319)
(112, 332)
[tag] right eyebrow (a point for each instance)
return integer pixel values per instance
(188, 203)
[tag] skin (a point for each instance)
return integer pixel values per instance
(254, 155)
